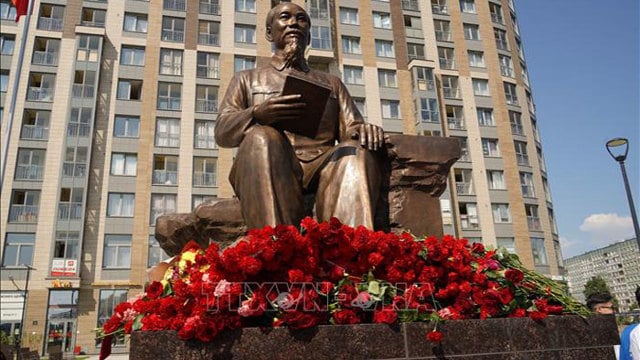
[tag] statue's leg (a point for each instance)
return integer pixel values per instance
(267, 179)
(349, 185)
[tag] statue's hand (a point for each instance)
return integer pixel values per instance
(371, 136)
(279, 108)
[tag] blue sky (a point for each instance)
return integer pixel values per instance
(583, 58)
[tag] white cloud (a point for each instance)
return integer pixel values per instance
(604, 229)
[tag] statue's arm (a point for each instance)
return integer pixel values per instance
(235, 113)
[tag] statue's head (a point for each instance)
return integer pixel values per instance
(288, 24)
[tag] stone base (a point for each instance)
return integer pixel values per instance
(557, 337)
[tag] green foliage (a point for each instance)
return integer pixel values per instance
(597, 285)
(6, 338)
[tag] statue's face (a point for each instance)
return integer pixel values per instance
(290, 21)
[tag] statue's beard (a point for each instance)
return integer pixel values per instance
(293, 52)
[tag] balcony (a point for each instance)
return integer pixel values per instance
(23, 213)
(469, 222)
(165, 177)
(442, 35)
(206, 106)
(209, 8)
(70, 211)
(204, 142)
(172, 35)
(440, 9)
(464, 188)
(451, 93)
(201, 178)
(209, 39)
(411, 5)
(35, 93)
(50, 24)
(455, 123)
(82, 91)
(45, 58)
(78, 130)
(90, 23)
(534, 223)
(29, 172)
(75, 170)
(176, 5)
(528, 191)
(449, 64)
(523, 159)
(34, 132)
(208, 72)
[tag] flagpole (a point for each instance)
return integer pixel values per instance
(14, 95)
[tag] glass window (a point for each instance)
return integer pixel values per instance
(171, 62)
(485, 117)
(167, 132)
(132, 56)
(471, 31)
(320, 37)
(120, 205)
(93, 17)
(208, 65)
(539, 251)
(508, 243)
(495, 178)
(117, 252)
(18, 249)
(501, 213)
(468, 216)
(384, 48)
(349, 16)
(196, 200)
(124, 164)
(67, 245)
(415, 51)
(390, 109)
(501, 39)
(169, 96)
(204, 137)
(510, 93)
(450, 87)
(156, 254)
(506, 65)
(7, 11)
(126, 126)
(480, 87)
(246, 6)
(4, 80)
(172, 29)
(476, 59)
(135, 22)
(245, 34)
(526, 183)
(109, 299)
(361, 104)
(490, 147)
(209, 33)
(468, 6)
(129, 89)
(351, 45)
(353, 75)
(162, 204)
(387, 78)
(7, 44)
(244, 63)
(429, 110)
(24, 206)
(318, 9)
(204, 171)
(446, 58)
(381, 20)
(443, 30)
(521, 152)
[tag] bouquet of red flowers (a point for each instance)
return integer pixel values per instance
(331, 273)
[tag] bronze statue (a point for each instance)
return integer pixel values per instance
(274, 169)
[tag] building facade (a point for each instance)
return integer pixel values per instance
(618, 264)
(110, 121)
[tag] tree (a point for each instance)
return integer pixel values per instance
(597, 285)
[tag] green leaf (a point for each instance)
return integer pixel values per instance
(374, 288)
(137, 322)
(423, 254)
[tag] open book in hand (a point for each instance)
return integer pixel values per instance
(315, 95)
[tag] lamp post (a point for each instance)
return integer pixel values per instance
(18, 340)
(618, 149)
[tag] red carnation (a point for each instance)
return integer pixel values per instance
(375, 259)
(346, 316)
(325, 287)
(154, 290)
(537, 315)
(385, 316)
(112, 325)
(434, 336)
(518, 313)
(514, 275)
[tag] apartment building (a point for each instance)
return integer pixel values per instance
(110, 123)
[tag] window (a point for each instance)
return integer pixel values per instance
(93, 17)
(521, 152)
(7, 11)
(349, 16)
(204, 171)
(320, 37)
(80, 121)
(126, 126)
(208, 65)
(468, 216)
(495, 178)
(83, 84)
(384, 48)
(381, 20)
(129, 89)
(4, 80)
(480, 87)
(526, 183)
(246, 6)
(538, 251)
(501, 213)
(67, 245)
(124, 164)
(18, 249)
(508, 243)
(133, 56)
(471, 31)
(496, 13)
(429, 110)
(24, 206)
(415, 51)
(361, 104)
(165, 170)
(413, 27)
(501, 39)
(390, 109)
(45, 51)
(109, 299)
(162, 204)
(155, 254)
(167, 132)
(120, 205)
(209, 33)
(244, 63)
(468, 6)
(485, 117)
(464, 148)
(88, 48)
(204, 134)
(206, 99)
(245, 34)
(424, 78)
(35, 125)
(516, 123)
(117, 252)
(446, 58)
(506, 65)
(443, 30)
(450, 87)
(387, 78)
(172, 29)
(464, 181)
(170, 62)
(7, 44)
(351, 45)
(353, 75)
(51, 17)
(455, 117)
(510, 93)
(169, 96)
(476, 59)
(41, 87)
(490, 147)
(135, 22)
(318, 9)
(196, 200)
(439, 7)
(30, 164)
(70, 205)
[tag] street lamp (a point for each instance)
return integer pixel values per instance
(18, 334)
(618, 149)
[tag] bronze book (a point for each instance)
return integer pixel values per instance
(315, 95)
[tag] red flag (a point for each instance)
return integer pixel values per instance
(22, 7)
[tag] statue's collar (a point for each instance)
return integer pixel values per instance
(279, 64)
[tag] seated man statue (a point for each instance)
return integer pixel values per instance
(274, 169)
